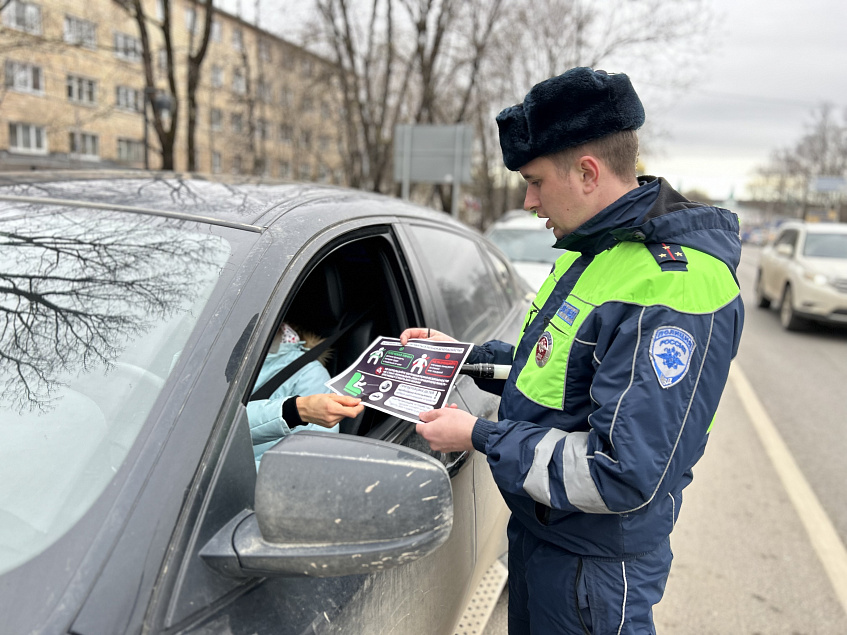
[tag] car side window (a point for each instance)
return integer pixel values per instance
(788, 237)
(471, 294)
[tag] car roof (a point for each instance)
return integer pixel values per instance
(242, 202)
(519, 219)
(816, 227)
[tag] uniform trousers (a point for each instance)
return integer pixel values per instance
(554, 591)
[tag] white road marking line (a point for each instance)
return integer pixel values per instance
(822, 534)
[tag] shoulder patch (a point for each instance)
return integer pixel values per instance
(669, 256)
(671, 350)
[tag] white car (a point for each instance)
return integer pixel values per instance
(525, 239)
(803, 272)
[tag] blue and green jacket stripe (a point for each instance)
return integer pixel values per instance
(618, 373)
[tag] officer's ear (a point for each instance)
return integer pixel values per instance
(589, 170)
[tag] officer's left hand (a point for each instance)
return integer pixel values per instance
(447, 429)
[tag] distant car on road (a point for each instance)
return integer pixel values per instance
(803, 273)
(137, 310)
(525, 239)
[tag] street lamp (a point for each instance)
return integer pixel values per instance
(159, 101)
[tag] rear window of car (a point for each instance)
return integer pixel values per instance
(95, 309)
(821, 245)
(526, 245)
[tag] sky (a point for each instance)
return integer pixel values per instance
(772, 63)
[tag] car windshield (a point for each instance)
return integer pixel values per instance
(96, 307)
(820, 245)
(526, 245)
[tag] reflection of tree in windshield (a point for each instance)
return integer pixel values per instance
(76, 286)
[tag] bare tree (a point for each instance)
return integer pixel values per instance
(195, 67)
(788, 180)
(70, 300)
(165, 128)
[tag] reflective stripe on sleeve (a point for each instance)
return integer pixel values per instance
(579, 486)
(537, 482)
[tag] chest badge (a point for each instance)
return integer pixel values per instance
(543, 349)
(671, 350)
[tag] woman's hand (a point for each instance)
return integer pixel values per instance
(420, 333)
(327, 409)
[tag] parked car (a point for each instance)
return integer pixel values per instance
(803, 272)
(137, 311)
(525, 239)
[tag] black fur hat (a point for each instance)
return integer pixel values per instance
(573, 108)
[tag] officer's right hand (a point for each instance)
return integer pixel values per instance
(418, 333)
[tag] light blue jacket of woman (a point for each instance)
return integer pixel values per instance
(265, 415)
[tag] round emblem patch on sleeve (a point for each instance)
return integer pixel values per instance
(670, 351)
(543, 348)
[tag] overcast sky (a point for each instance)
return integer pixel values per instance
(773, 62)
(770, 63)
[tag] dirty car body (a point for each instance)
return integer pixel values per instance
(137, 313)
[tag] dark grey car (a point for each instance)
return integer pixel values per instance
(136, 313)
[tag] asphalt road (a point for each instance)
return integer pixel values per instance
(759, 546)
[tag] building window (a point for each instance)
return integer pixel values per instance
(127, 48)
(130, 151)
(129, 98)
(236, 164)
(264, 50)
(81, 90)
(215, 35)
(286, 133)
(239, 83)
(216, 163)
(84, 145)
(262, 130)
(289, 61)
(80, 32)
(306, 105)
(23, 16)
(237, 39)
(216, 119)
(326, 111)
(162, 60)
(286, 98)
(306, 139)
(28, 138)
(323, 174)
(24, 77)
(217, 76)
(265, 92)
(237, 123)
(285, 169)
(306, 67)
(305, 172)
(324, 143)
(190, 20)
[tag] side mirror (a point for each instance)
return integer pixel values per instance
(332, 505)
(784, 249)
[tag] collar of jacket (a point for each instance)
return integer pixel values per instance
(617, 222)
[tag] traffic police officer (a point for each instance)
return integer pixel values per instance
(617, 375)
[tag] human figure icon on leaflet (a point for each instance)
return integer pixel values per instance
(356, 384)
(419, 364)
(375, 356)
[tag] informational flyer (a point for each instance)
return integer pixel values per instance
(403, 380)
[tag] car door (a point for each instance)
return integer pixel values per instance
(479, 296)
(355, 267)
(780, 260)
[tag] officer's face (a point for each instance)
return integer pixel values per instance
(556, 195)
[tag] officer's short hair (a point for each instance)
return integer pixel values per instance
(618, 151)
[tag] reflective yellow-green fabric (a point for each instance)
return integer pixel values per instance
(627, 273)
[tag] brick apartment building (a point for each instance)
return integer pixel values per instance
(73, 94)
